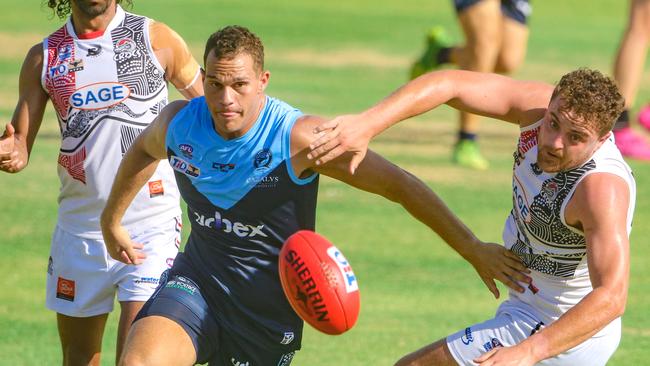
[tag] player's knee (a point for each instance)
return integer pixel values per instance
(131, 359)
(508, 64)
(78, 356)
(480, 56)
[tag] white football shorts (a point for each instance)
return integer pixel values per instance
(512, 324)
(82, 277)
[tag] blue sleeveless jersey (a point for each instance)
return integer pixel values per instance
(243, 201)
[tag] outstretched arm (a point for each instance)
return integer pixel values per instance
(137, 166)
(377, 175)
(17, 140)
(599, 207)
(491, 95)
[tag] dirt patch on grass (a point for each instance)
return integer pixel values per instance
(16, 45)
(637, 332)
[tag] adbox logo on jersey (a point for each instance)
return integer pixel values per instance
(99, 95)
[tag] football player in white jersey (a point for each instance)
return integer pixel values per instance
(106, 73)
(573, 201)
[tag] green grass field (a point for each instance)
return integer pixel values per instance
(329, 58)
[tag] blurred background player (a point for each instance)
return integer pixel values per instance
(628, 67)
(106, 73)
(496, 37)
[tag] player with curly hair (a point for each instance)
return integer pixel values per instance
(106, 73)
(573, 199)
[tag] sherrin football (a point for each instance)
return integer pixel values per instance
(319, 283)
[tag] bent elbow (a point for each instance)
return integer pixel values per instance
(616, 303)
(619, 308)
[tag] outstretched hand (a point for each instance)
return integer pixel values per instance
(9, 157)
(493, 261)
(339, 135)
(120, 246)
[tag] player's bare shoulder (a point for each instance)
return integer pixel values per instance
(170, 111)
(302, 134)
(34, 59)
(303, 131)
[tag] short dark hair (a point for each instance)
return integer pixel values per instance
(592, 96)
(230, 41)
(61, 8)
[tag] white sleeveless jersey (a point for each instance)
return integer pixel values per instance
(105, 91)
(537, 232)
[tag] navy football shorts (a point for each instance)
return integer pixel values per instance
(517, 10)
(179, 298)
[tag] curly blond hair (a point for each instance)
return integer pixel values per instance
(592, 97)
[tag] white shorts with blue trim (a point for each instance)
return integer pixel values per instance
(512, 324)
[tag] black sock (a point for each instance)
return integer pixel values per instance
(623, 121)
(443, 56)
(462, 135)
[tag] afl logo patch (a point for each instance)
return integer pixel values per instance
(262, 159)
(186, 150)
(99, 96)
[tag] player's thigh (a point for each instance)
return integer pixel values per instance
(78, 277)
(156, 340)
(128, 311)
(513, 46)
(179, 299)
(435, 354)
(480, 22)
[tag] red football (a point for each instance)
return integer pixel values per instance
(319, 282)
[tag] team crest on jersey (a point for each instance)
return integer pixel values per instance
(99, 95)
(65, 52)
(549, 191)
(125, 49)
(184, 167)
(262, 159)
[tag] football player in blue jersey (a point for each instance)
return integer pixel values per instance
(240, 160)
